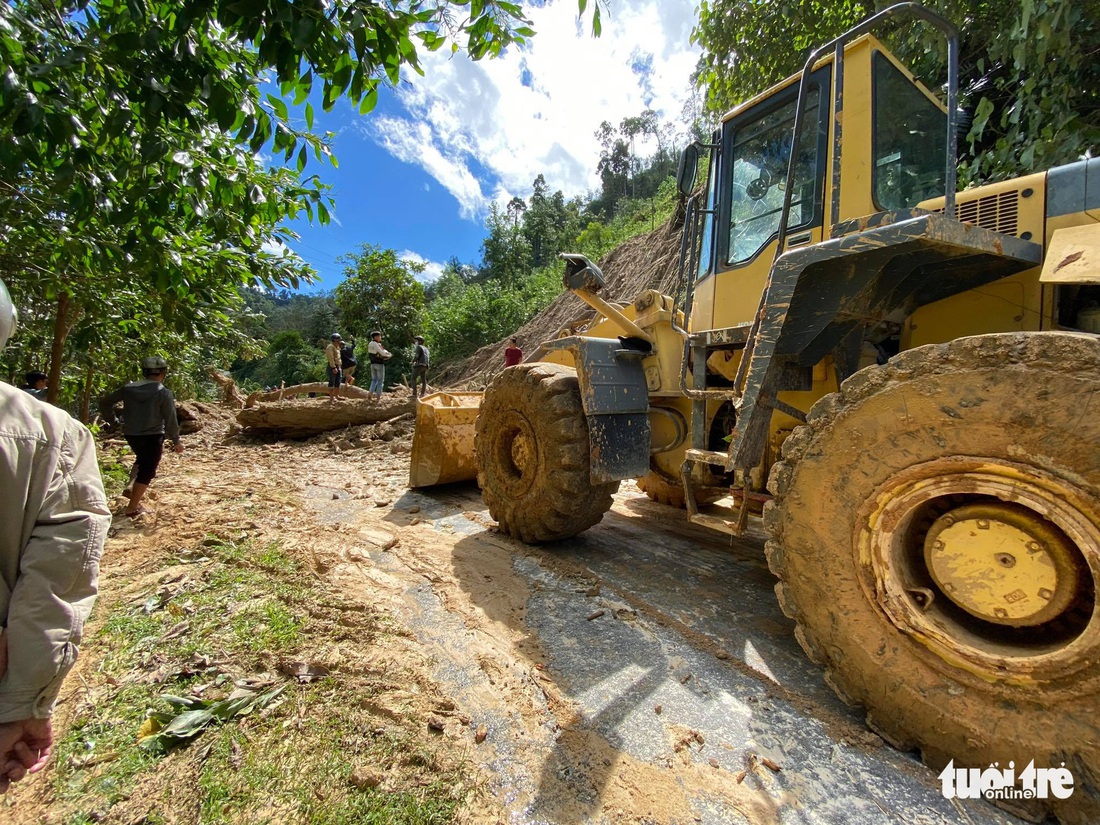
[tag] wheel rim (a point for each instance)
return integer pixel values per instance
(1003, 563)
(991, 565)
(517, 455)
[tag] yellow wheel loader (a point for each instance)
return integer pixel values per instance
(902, 379)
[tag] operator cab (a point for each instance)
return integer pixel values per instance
(894, 156)
(819, 237)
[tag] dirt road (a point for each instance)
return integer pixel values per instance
(641, 673)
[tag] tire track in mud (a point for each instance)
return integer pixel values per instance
(838, 726)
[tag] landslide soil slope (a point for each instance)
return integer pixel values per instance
(646, 261)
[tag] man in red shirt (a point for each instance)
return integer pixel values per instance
(512, 354)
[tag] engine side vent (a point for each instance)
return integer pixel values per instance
(997, 212)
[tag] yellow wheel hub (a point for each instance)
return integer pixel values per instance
(1002, 563)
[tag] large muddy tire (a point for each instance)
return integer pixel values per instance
(936, 533)
(533, 455)
(671, 492)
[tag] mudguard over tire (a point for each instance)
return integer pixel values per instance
(885, 502)
(533, 455)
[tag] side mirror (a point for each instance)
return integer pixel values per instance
(689, 165)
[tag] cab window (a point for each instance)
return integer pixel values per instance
(706, 244)
(910, 132)
(760, 153)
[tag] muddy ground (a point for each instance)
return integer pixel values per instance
(640, 673)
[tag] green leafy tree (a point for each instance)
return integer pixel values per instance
(324, 318)
(538, 226)
(631, 128)
(129, 164)
(1027, 67)
(549, 223)
(624, 173)
(290, 359)
(168, 73)
(454, 272)
(506, 253)
(380, 292)
(464, 317)
(315, 316)
(613, 169)
(515, 210)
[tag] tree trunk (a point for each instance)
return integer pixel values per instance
(86, 396)
(231, 396)
(306, 417)
(61, 327)
(318, 387)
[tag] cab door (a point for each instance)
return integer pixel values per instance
(756, 150)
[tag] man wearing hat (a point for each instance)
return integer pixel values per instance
(37, 384)
(148, 416)
(335, 371)
(421, 359)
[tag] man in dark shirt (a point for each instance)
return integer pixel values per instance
(148, 415)
(421, 362)
(37, 384)
(348, 362)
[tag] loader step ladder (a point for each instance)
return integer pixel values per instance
(698, 349)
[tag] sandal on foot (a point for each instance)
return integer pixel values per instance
(140, 511)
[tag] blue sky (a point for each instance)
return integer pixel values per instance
(419, 173)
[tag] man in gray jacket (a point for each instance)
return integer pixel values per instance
(148, 415)
(53, 522)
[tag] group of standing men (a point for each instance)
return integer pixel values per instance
(341, 365)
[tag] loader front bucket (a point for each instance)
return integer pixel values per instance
(443, 442)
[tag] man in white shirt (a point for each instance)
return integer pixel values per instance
(379, 355)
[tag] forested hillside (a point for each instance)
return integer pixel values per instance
(471, 305)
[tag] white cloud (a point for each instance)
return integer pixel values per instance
(414, 143)
(273, 246)
(432, 269)
(485, 130)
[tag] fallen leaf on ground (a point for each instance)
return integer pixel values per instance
(193, 716)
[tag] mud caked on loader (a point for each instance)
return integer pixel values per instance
(903, 380)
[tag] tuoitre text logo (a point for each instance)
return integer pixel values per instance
(995, 782)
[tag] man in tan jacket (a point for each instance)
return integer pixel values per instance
(335, 373)
(53, 523)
